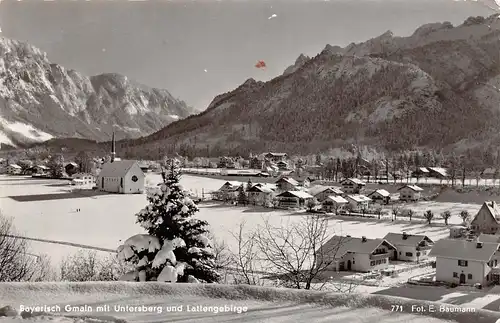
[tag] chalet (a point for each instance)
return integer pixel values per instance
(489, 173)
(228, 191)
(334, 203)
(287, 184)
(358, 202)
(83, 179)
(420, 172)
(123, 176)
(276, 157)
(487, 219)
(321, 192)
(466, 262)
(380, 196)
(14, 169)
(438, 172)
(226, 162)
(409, 247)
(293, 199)
(355, 254)
(410, 193)
(352, 185)
(261, 194)
(145, 167)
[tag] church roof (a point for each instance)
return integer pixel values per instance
(118, 168)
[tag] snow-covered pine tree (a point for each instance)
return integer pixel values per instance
(169, 218)
(242, 195)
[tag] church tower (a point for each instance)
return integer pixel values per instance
(113, 148)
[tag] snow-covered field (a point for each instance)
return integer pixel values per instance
(46, 209)
(255, 304)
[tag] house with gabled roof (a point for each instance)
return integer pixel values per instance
(489, 173)
(352, 185)
(321, 192)
(276, 157)
(261, 194)
(358, 202)
(466, 262)
(286, 183)
(380, 196)
(334, 203)
(438, 172)
(487, 219)
(293, 199)
(410, 247)
(420, 172)
(355, 254)
(14, 169)
(410, 193)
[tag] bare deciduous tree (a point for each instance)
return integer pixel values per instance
(89, 266)
(245, 259)
(300, 253)
(16, 263)
(395, 211)
(223, 258)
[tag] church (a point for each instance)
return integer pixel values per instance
(120, 176)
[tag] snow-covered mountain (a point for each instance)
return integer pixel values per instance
(438, 88)
(40, 100)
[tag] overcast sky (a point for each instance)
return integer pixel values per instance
(171, 44)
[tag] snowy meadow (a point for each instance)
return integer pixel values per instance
(46, 209)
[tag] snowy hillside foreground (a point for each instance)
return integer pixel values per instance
(254, 304)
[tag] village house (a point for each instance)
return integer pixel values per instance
(355, 254)
(293, 199)
(260, 194)
(83, 179)
(410, 193)
(276, 157)
(466, 262)
(287, 184)
(352, 185)
(14, 169)
(420, 172)
(409, 247)
(321, 192)
(358, 202)
(489, 238)
(489, 173)
(282, 165)
(487, 219)
(335, 203)
(380, 196)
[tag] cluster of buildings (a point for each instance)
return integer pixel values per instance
(296, 192)
(464, 260)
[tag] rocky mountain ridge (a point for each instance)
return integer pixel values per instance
(438, 88)
(40, 100)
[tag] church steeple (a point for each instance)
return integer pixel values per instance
(113, 148)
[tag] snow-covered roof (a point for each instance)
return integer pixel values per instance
(314, 190)
(42, 166)
(423, 169)
(464, 250)
(355, 181)
(72, 164)
(359, 198)
(298, 194)
(14, 166)
(440, 170)
(381, 192)
(117, 168)
(276, 154)
(342, 245)
(288, 180)
(337, 199)
(412, 187)
(492, 208)
(403, 239)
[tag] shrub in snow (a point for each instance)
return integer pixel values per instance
(176, 245)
